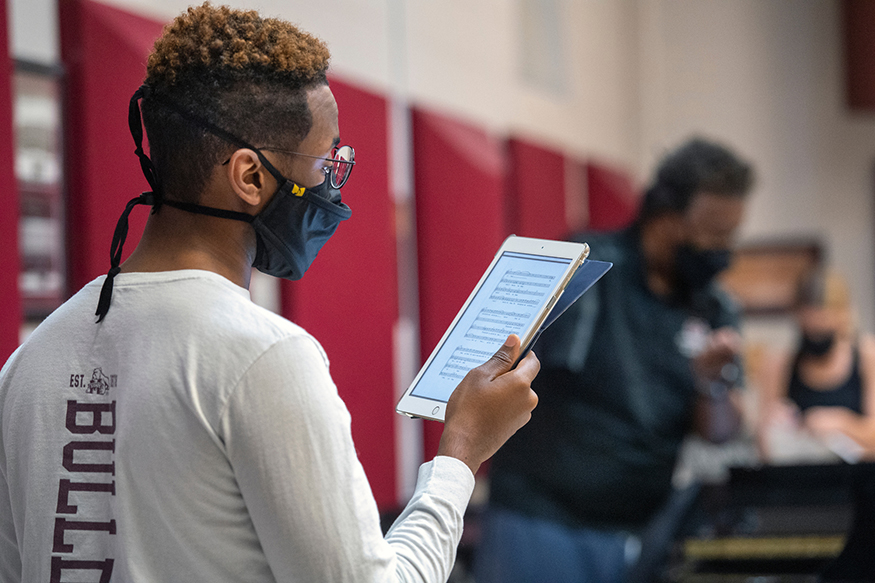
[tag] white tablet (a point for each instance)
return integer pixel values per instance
(514, 296)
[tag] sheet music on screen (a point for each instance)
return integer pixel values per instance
(507, 303)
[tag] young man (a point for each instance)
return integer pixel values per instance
(189, 435)
(629, 370)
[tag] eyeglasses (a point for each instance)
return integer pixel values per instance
(342, 160)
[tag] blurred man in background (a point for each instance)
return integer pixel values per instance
(648, 355)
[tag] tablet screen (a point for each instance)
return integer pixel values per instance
(508, 302)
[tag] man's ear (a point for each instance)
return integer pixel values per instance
(248, 177)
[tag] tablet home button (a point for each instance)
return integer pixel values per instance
(435, 410)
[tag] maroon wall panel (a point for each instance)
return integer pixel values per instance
(536, 191)
(613, 197)
(10, 299)
(459, 185)
(104, 52)
(348, 299)
(858, 19)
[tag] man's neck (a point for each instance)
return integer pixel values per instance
(174, 239)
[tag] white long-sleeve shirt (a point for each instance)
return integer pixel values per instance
(194, 436)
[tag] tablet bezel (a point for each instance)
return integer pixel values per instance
(415, 406)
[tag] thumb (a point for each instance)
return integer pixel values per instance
(504, 357)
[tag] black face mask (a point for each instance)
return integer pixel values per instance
(292, 228)
(289, 231)
(816, 344)
(696, 268)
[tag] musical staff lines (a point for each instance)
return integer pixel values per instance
(523, 288)
(507, 303)
(462, 360)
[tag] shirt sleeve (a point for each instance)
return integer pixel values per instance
(10, 556)
(287, 436)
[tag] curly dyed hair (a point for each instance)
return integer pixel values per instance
(246, 74)
(697, 166)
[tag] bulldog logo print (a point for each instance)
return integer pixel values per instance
(99, 382)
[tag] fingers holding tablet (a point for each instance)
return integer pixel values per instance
(490, 404)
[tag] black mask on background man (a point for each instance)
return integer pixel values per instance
(696, 268)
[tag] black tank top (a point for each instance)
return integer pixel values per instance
(847, 394)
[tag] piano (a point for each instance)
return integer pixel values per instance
(806, 523)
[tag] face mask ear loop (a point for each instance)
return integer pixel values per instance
(115, 253)
(135, 124)
(210, 127)
(149, 198)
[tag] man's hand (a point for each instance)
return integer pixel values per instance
(717, 415)
(489, 405)
(722, 348)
